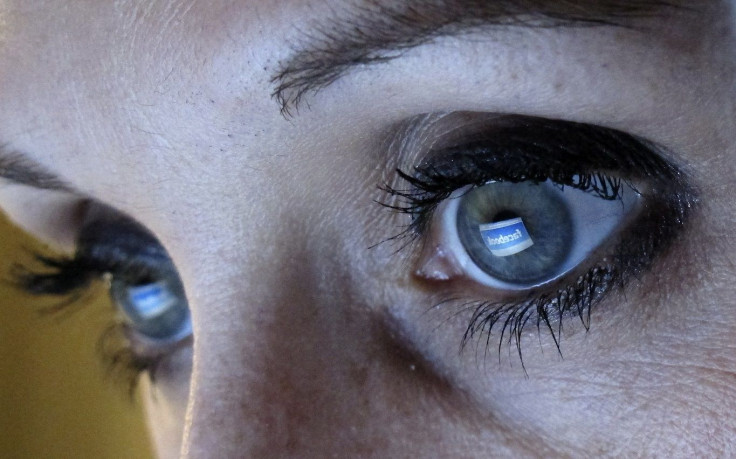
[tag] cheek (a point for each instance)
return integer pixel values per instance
(166, 402)
(293, 349)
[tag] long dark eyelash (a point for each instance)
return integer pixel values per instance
(108, 244)
(57, 276)
(548, 308)
(594, 159)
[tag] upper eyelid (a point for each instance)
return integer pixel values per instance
(411, 140)
(415, 141)
(433, 139)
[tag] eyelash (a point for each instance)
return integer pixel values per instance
(425, 194)
(669, 201)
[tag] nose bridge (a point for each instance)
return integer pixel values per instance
(271, 350)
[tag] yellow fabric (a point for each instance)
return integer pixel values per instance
(55, 400)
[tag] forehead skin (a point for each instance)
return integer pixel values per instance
(307, 343)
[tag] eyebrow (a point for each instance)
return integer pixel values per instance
(18, 168)
(377, 31)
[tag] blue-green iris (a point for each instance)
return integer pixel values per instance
(156, 310)
(545, 215)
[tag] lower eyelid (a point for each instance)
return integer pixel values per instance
(147, 348)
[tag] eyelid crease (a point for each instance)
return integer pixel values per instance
(519, 148)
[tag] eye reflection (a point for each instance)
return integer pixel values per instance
(156, 310)
(516, 232)
(521, 235)
(153, 315)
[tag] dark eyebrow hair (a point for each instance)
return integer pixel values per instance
(18, 168)
(377, 31)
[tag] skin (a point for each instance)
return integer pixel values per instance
(307, 343)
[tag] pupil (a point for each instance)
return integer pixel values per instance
(504, 215)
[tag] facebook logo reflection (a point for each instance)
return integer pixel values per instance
(506, 238)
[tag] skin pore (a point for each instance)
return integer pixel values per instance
(202, 121)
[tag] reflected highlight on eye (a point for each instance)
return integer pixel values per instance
(505, 238)
(156, 310)
(536, 209)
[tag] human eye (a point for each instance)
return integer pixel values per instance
(152, 319)
(525, 221)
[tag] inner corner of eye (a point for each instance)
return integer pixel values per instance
(517, 236)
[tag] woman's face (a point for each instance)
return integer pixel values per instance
(257, 140)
